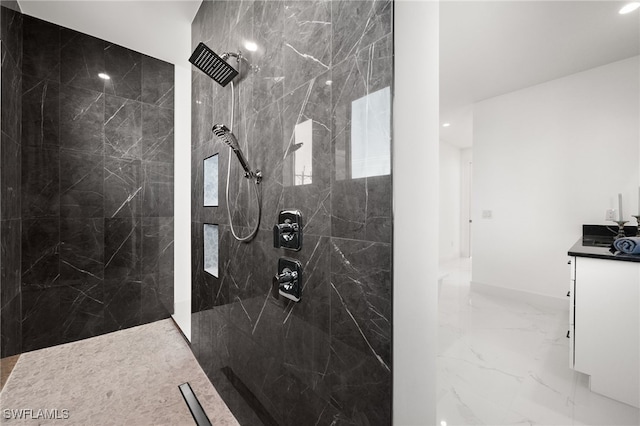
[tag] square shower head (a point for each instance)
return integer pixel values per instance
(212, 65)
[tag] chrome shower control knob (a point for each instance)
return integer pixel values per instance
(289, 279)
(287, 276)
(287, 233)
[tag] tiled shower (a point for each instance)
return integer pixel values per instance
(87, 186)
(321, 76)
(87, 201)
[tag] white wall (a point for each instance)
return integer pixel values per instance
(415, 209)
(548, 159)
(466, 184)
(450, 198)
(182, 198)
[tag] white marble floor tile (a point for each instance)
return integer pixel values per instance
(506, 362)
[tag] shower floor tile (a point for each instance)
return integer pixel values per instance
(129, 377)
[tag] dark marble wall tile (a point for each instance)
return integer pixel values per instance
(41, 49)
(81, 184)
(201, 133)
(157, 82)
(267, 143)
(11, 327)
(40, 252)
(122, 128)
(10, 267)
(11, 33)
(81, 60)
(157, 189)
(357, 24)
(40, 113)
(41, 322)
(157, 133)
(166, 246)
(83, 165)
(11, 23)
(360, 386)
(122, 249)
(201, 28)
(307, 332)
(81, 119)
(124, 68)
(150, 260)
(122, 187)
(40, 191)
(151, 306)
(312, 101)
(81, 311)
(307, 44)
(204, 286)
(10, 175)
(362, 207)
(202, 89)
(81, 251)
(122, 303)
(361, 296)
(11, 80)
(269, 34)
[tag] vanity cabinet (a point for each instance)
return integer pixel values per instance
(604, 323)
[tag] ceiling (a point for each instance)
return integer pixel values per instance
(489, 48)
(161, 29)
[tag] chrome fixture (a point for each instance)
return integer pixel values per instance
(289, 279)
(287, 233)
(222, 73)
(224, 134)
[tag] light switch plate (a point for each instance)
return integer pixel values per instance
(610, 215)
(487, 214)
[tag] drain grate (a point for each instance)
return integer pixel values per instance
(194, 405)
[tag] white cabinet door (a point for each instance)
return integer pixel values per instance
(607, 326)
(571, 294)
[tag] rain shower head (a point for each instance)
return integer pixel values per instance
(224, 134)
(212, 65)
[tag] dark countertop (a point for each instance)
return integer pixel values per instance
(588, 247)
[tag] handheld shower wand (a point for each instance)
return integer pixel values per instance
(224, 134)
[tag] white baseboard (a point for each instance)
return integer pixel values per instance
(536, 299)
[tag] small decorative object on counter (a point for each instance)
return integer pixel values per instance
(638, 223)
(621, 233)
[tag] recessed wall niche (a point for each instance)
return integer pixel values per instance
(211, 249)
(211, 181)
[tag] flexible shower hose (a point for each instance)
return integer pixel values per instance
(256, 190)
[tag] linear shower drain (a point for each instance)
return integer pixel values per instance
(194, 405)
